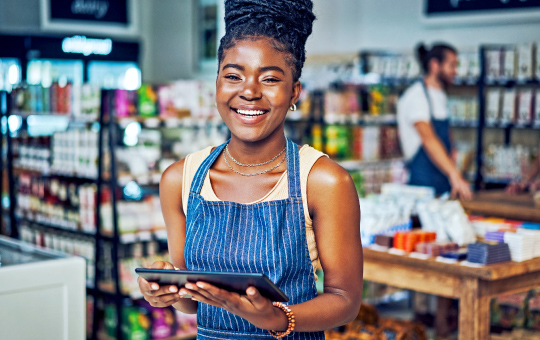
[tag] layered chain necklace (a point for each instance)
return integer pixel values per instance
(253, 165)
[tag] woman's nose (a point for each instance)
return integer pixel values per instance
(251, 90)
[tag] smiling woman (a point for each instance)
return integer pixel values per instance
(260, 203)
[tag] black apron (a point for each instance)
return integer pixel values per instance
(422, 170)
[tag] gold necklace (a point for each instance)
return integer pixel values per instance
(257, 173)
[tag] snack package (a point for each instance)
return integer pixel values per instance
(524, 107)
(493, 104)
(509, 70)
(508, 112)
(493, 64)
(525, 61)
(536, 112)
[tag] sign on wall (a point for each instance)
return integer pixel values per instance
(90, 16)
(107, 11)
(435, 7)
(479, 12)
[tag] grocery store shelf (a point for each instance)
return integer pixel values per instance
(512, 82)
(44, 224)
(360, 164)
(54, 174)
(473, 124)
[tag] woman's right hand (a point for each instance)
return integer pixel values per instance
(156, 295)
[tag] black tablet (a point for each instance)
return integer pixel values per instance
(233, 282)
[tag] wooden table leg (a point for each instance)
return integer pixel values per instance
(473, 311)
(442, 316)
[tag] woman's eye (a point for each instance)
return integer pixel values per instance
(232, 77)
(271, 80)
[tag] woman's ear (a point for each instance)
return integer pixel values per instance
(297, 88)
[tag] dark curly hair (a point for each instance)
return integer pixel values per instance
(287, 22)
(438, 52)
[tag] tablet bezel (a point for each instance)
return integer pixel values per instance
(235, 282)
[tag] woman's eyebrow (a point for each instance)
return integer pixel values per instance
(271, 68)
(236, 66)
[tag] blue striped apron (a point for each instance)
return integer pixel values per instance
(266, 237)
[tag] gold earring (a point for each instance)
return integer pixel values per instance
(293, 107)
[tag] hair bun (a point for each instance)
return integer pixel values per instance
(284, 17)
(421, 51)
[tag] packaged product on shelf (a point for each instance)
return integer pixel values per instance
(536, 111)
(178, 99)
(521, 246)
(508, 310)
(147, 100)
(525, 107)
(493, 64)
(135, 322)
(537, 59)
(525, 61)
(463, 66)
(508, 111)
(390, 67)
(90, 104)
(187, 324)
(370, 143)
(414, 68)
(389, 142)
(533, 319)
(402, 66)
(337, 141)
(447, 219)
(509, 63)
(493, 105)
(384, 215)
(162, 321)
(377, 99)
(357, 142)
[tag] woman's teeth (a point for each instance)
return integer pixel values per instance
(251, 112)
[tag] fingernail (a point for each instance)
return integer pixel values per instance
(182, 295)
(155, 287)
(189, 286)
(200, 285)
(251, 291)
(194, 299)
(172, 289)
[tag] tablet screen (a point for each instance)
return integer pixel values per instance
(234, 282)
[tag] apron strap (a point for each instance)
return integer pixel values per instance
(293, 169)
(200, 175)
(424, 86)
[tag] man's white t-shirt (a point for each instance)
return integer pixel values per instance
(413, 107)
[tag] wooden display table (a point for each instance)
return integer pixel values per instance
(500, 204)
(474, 287)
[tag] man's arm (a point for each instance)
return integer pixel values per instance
(442, 160)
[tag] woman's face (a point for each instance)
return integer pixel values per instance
(254, 90)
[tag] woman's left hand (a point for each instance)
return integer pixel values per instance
(253, 307)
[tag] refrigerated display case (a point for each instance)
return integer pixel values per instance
(42, 293)
(44, 59)
(10, 73)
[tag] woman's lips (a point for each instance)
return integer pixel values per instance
(250, 116)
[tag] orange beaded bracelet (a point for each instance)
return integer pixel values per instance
(290, 321)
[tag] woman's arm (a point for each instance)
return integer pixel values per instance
(335, 210)
(170, 194)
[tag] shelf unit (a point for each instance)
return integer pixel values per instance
(484, 83)
(107, 125)
(480, 84)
